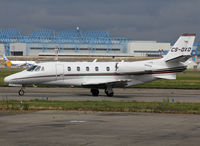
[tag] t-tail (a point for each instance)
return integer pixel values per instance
(182, 49)
(8, 62)
(5, 58)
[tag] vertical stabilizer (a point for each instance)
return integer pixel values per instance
(5, 58)
(181, 51)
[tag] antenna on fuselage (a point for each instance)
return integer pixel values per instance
(56, 53)
(95, 60)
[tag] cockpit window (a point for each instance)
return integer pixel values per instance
(32, 68)
(42, 69)
(37, 68)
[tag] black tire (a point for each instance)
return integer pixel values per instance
(21, 92)
(110, 94)
(95, 92)
(106, 91)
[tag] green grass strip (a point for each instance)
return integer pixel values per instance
(108, 106)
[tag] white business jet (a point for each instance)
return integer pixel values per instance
(18, 63)
(107, 75)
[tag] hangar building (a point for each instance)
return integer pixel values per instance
(75, 42)
(147, 48)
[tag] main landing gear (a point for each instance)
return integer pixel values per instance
(95, 92)
(21, 92)
(109, 92)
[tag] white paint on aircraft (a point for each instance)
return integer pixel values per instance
(18, 63)
(108, 75)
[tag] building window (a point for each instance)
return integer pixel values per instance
(96, 68)
(108, 68)
(69, 68)
(87, 68)
(78, 68)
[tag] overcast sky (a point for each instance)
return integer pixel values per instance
(160, 20)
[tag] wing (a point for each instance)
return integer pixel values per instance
(104, 83)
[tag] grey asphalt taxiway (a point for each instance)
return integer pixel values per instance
(76, 128)
(127, 94)
(72, 128)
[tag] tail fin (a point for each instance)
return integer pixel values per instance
(181, 51)
(8, 62)
(5, 58)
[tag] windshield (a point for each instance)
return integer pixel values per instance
(37, 68)
(32, 68)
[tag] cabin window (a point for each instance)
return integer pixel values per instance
(96, 68)
(87, 68)
(78, 68)
(108, 68)
(42, 69)
(37, 68)
(69, 68)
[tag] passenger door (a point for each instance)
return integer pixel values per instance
(60, 71)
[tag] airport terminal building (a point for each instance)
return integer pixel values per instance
(75, 42)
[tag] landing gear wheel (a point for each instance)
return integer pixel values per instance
(109, 93)
(95, 92)
(21, 92)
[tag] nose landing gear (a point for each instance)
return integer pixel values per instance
(21, 92)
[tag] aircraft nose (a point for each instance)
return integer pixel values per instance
(7, 79)
(12, 79)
